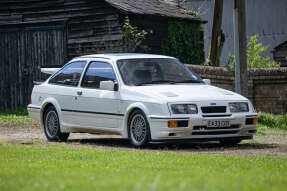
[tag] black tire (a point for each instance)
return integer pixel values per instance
(138, 129)
(230, 142)
(52, 126)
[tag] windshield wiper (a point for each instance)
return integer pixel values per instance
(188, 81)
(156, 82)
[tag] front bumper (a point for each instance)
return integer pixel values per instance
(197, 127)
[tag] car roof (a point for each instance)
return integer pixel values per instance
(118, 56)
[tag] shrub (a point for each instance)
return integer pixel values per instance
(184, 42)
(273, 121)
(255, 58)
(132, 37)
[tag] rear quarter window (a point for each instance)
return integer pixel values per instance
(69, 75)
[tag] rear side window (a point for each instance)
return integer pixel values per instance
(97, 72)
(70, 74)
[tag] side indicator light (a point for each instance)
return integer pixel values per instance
(172, 124)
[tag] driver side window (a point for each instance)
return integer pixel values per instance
(97, 72)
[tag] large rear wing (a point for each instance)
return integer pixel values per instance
(50, 70)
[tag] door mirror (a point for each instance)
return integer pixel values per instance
(108, 85)
(207, 81)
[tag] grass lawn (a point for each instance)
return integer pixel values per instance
(16, 117)
(65, 168)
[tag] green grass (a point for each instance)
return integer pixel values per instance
(18, 117)
(272, 121)
(65, 168)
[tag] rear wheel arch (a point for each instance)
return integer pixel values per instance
(44, 110)
(46, 104)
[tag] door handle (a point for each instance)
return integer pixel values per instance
(79, 92)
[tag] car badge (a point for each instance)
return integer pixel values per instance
(212, 103)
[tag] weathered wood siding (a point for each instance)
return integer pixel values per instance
(280, 54)
(88, 26)
(23, 52)
(93, 25)
(157, 28)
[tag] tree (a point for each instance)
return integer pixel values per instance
(241, 75)
(216, 33)
(132, 37)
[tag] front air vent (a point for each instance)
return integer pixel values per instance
(213, 109)
(203, 128)
(214, 132)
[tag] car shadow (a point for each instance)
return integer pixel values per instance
(172, 146)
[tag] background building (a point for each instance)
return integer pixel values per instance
(267, 18)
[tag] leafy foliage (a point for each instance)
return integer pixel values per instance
(273, 121)
(184, 42)
(255, 50)
(132, 37)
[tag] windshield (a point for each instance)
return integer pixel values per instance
(136, 72)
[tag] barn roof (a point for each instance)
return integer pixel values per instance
(284, 44)
(153, 7)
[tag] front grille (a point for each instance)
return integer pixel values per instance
(213, 109)
(211, 128)
(214, 132)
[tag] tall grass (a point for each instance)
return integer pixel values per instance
(273, 121)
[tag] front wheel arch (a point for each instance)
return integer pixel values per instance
(133, 113)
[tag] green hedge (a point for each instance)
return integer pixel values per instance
(185, 42)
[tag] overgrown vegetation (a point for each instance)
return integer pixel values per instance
(255, 58)
(273, 121)
(16, 117)
(132, 40)
(184, 42)
(65, 168)
(132, 37)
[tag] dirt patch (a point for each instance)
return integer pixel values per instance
(273, 143)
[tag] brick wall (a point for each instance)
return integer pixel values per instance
(267, 88)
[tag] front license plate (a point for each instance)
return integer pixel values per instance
(218, 123)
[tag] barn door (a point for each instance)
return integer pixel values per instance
(23, 52)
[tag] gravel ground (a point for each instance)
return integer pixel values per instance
(273, 143)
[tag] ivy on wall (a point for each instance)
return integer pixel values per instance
(185, 42)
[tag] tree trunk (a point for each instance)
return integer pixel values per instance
(216, 33)
(241, 7)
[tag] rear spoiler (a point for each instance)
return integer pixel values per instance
(38, 82)
(50, 70)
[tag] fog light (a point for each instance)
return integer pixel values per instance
(172, 124)
(255, 121)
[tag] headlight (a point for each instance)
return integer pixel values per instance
(184, 109)
(238, 107)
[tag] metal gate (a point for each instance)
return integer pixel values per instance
(23, 51)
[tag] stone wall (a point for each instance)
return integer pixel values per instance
(267, 88)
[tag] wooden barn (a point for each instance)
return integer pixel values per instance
(280, 54)
(46, 33)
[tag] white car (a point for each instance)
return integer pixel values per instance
(140, 97)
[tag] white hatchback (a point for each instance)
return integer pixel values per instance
(140, 97)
